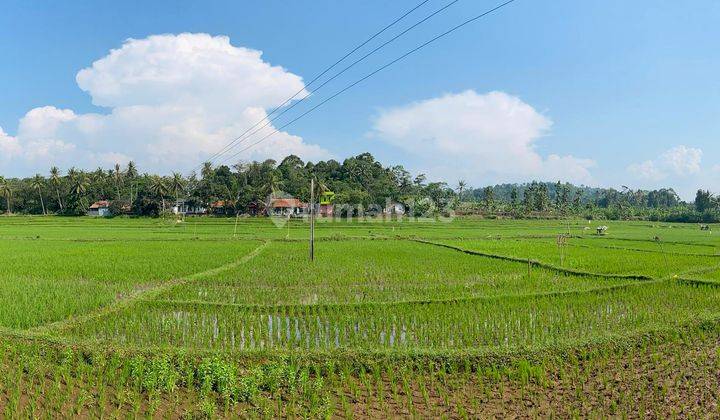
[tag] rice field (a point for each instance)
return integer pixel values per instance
(412, 318)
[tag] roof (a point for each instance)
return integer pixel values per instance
(286, 203)
(100, 204)
(222, 203)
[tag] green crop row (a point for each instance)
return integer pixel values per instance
(519, 322)
(373, 271)
(590, 258)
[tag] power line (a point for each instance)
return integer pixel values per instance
(369, 75)
(242, 138)
(375, 35)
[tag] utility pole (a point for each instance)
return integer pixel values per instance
(312, 219)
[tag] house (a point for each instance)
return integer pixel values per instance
(183, 207)
(394, 208)
(286, 207)
(99, 209)
(222, 207)
(256, 208)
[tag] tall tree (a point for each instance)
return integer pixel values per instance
(6, 191)
(38, 182)
(461, 188)
(98, 179)
(117, 178)
(55, 180)
(703, 200)
(177, 184)
(131, 173)
(558, 199)
(159, 188)
(274, 183)
(489, 198)
(513, 198)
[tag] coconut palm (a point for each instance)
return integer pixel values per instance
(131, 170)
(55, 180)
(98, 178)
(6, 191)
(131, 173)
(242, 169)
(206, 171)
(274, 183)
(37, 183)
(79, 184)
(159, 188)
(177, 184)
(117, 178)
(461, 187)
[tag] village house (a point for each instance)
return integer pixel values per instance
(99, 209)
(292, 207)
(394, 208)
(183, 207)
(222, 207)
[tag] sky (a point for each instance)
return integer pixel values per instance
(601, 93)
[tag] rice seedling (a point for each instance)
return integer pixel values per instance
(227, 318)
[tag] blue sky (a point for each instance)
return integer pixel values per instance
(601, 92)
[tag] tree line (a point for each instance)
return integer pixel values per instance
(359, 181)
(241, 188)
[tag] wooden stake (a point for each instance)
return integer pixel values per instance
(312, 219)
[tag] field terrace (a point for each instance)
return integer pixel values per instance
(424, 317)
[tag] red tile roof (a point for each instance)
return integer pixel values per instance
(100, 204)
(286, 203)
(222, 203)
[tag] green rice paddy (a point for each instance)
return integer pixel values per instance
(488, 294)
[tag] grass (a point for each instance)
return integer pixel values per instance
(225, 317)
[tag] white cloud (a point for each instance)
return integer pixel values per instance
(646, 170)
(492, 135)
(681, 161)
(9, 146)
(173, 101)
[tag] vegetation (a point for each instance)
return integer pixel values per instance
(404, 317)
(360, 182)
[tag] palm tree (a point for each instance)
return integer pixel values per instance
(274, 183)
(461, 187)
(131, 173)
(38, 182)
(206, 171)
(177, 183)
(117, 177)
(6, 191)
(242, 169)
(159, 188)
(98, 178)
(79, 184)
(55, 179)
(78, 189)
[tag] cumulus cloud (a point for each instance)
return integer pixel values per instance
(172, 101)
(482, 137)
(9, 146)
(681, 161)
